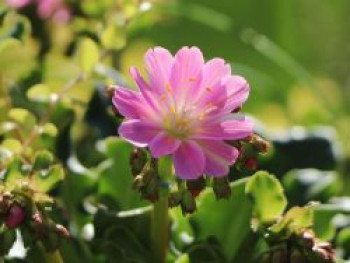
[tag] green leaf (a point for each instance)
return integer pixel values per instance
(113, 37)
(39, 93)
(182, 233)
(49, 129)
(296, 220)
(23, 117)
(116, 179)
(7, 238)
(45, 180)
(13, 173)
(267, 195)
(13, 145)
(227, 220)
(88, 54)
(184, 258)
(42, 160)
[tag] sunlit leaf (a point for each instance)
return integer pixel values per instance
(88, 54)
(39, 93)
(113, 37)
(45, 180)
(296, 220)
(42, 160)
(267, 195)
(226, 220)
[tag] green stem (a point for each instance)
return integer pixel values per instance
(54, 257)
(159, 230)
(160, 216)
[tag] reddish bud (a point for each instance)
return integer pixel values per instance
(15, 216)
(238, 109)
(110, 90)
(37, 218)
(62, 231)
(196, 186)
(251, 164)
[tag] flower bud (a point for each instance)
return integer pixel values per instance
(260, 144)
(15, 216)
(251, 164)
(308, 240)
(174, 199)
(196, 186)
(138, 159)
(61, 230)
(221, 187)
(188, 204)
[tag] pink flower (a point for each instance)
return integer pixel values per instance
(185, 110)
(18, 3)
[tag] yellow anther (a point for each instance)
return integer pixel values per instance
(168, 87)
(172, 109)
(163, 97)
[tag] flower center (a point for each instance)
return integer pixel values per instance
(177, 125)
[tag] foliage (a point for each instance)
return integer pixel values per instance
(68, 185)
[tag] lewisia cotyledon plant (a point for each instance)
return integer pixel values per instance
(185, 110)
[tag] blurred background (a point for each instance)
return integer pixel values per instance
(294, 53)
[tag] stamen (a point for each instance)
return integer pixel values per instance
(192, 79)
(163, 97)
(168, 88)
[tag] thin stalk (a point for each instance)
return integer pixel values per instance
(160, 216)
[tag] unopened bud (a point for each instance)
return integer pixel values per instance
(324, 252)
(151, 191)
(308, 240)
(221, 187)
(15, 216)
(37, 218)
(174, 199)
(188, 204)
(138, 159)
(196, 186)
(110, 90)
(251, 163)
(260, 144)
(61, 230)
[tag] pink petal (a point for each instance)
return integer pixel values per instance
(189, 160)
(149, 96)
(127, 102)
(163, 144)
(185, 74)
(225, 130)
(138, 132)
(213, 71)
(237, 91)
(219, 156)
(158, 64)
(18, 3)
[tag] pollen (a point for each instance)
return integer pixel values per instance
(168, 88)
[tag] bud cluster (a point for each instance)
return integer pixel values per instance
(148, 183)
(18, 211)
(300, 248)
(250, 148)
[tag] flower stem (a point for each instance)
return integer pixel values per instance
(159, 230)
(160, 216)
(54, 257)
